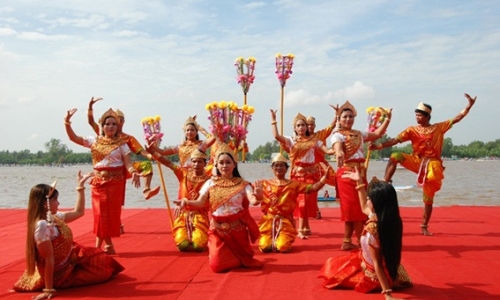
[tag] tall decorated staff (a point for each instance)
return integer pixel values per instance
(284, 64)
(152, 133)
(376, 116)
(245, 78)
(229, 123)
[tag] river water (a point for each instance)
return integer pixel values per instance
(466, 183)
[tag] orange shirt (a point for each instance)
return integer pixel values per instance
(426, 141)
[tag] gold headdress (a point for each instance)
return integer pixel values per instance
(188, 121)
(110, 113)
(424, 108)
(298, 117)
(120, 113)
(349, 106)
(279, 157)
(225, 148)
(311, 120)
(198, 154)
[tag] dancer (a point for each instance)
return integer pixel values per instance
(427, 143)
(303, 149)
(348, 145)
(190, 229)
(111, 160)
(144, 168)
(377, 266)
(232, 228)
(322, 135)
(191, 142)
(277, 225)
(53, 260)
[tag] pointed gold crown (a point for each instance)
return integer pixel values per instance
(190, 120)
(349, 106)
(198, 154)
(110, 113)
(299, 116)
(225, 148)
(311, 120)
(279, 157)
(424, 108)
(120, 113)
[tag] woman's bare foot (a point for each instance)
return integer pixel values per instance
(148, 193)
(347, 244)
(425, 231)
(301, 235)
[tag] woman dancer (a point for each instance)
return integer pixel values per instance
(111, 160)
(377, 266)
(53, 260)
(277, 225)
(231, 228)
(303, 149)
(348, 145)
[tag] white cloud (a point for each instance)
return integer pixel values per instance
(7, 31)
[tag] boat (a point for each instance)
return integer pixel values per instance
(326, 198)
(404, 187)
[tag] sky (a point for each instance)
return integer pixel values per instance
(170, 58)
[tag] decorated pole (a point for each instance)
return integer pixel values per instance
(152, 132)
(245, 77)
(376, 116)
(284, 64)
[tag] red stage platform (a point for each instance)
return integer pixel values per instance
(461, 261)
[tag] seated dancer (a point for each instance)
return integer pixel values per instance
(145, 167)
(190, 229)
(231, 228)
(376, 266)
(191, 142)
(53, 259)
(277, 225)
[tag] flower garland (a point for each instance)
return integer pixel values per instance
(284, 66)
(228, 122)
(376, 116)
(152, 129)
(244, 72)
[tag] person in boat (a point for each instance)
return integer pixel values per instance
(427, 143)
(377, 265)
(144, 168)
(277, 225)
(303, 149)
(190, 228)
(348, 145)
(112, 162)
(326, 195)
(232, 229)
(322, 135)
(53, 259)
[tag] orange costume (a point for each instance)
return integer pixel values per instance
(427, 143)
(322, 135)
(191, 226)
(277, 226)
(356, 270)
(74, 265)
(108, 192)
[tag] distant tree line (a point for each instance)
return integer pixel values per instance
(58, 153)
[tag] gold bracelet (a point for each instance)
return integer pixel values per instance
(274, 123)
(49, 290)
(385, 292)
(80, 188)
(67, 122)
(132, 170)
(359, 186)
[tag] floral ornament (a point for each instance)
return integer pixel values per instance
(228, 122)
(244, 72)
(284, 64)
(376, 116)
(152, 129)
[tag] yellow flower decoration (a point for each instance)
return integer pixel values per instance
(222, 104)
(244, 108)
(157, 118)
(278, 55)
(208, 106)
(251, 110)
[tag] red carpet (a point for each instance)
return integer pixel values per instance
(461, 261)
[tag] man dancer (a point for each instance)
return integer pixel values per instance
(427, 142)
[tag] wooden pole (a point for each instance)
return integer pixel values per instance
(245, 140)
(164, 188)
(281, 114)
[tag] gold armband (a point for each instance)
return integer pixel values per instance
(80, 188)
(360, 186)
(67, 122)
(132, 170)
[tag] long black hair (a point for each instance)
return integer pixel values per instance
(389, 224)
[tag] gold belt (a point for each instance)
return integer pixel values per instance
(109, 174)
(226, 227)
(302, 171)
